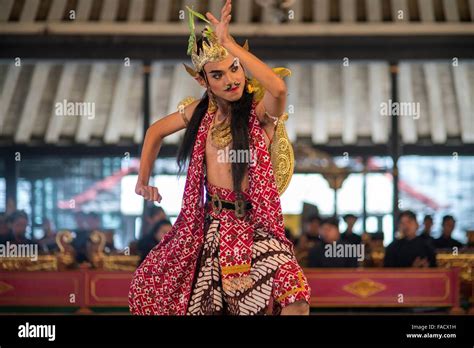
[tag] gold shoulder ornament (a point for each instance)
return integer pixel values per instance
(281, 149)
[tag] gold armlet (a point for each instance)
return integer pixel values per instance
(182, 105)
(186, 122)
(275, 119)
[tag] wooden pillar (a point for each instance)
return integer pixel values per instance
(146, 124)
(394, 145)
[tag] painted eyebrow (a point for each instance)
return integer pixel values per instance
(219, 71)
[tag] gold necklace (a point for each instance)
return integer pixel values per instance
(221, 134)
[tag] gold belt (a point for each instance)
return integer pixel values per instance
(239, 206)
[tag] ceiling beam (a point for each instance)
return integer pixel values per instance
(53, 131)
(136, 11)
(155, 48)
(91, 94)
(321, 11)
(162, 11)
(109, 11)
(374, 10)
(297, 15)
(215, 7)
(8, 90)
(423, 127)
(157, 101)
(32, 103)
(448, 92)
(56, 11)
(349, 124)
(435, 101)
(465, 104)
(118, 110)
(471, 9)
(182, 86)
(29, 10)
(405, 88)
(331, 29)
(379, 92)
(6, 6)
(426, 10)
(83, 10)
(348, 11)
(400, 11)
(451, 11)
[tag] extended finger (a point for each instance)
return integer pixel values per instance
(213, 19)
(155, 194)
(228, 18)
(226, 10)
(228, 4)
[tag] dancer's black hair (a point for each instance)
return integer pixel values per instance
(240, 115)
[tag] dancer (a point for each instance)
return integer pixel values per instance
(227, 252)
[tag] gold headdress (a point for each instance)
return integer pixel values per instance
(211, 51)
(281, 150)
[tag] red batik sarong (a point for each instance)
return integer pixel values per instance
(273, 272)
(164, 282)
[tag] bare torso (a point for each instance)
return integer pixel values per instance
(219, 173)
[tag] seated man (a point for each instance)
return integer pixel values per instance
(349, 236)
(445, 241)
(426, 231)
(409, 251)
(333, 251)
(18, 223)
(308, 239)
(5, 234)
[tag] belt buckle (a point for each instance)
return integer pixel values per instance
(216, 204)
(239, 208)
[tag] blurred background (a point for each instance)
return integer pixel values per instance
(82, 80)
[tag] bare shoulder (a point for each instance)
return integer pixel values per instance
(189, 109)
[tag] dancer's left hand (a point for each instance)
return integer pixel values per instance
(221, 27)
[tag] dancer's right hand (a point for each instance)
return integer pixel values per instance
(150, 193)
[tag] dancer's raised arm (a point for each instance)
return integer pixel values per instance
(274, 101)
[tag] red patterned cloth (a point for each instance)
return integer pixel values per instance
(162, 284)
(236, 238)
(274, 273)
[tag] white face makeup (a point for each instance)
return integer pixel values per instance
(225, 78)
(236, 62)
